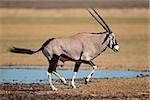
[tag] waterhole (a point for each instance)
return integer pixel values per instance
(34, 74)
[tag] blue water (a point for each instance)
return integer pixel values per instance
(19, 75)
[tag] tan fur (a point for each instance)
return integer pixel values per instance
(81, 46)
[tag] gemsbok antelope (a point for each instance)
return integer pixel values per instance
(79, 48)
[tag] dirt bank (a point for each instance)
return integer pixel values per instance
(127, 88)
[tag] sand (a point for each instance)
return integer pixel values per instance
(115, 88)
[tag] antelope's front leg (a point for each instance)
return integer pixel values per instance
(50, 81)
(77, 65)
(91, 73)
(73, 78)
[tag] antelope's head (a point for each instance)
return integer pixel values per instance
(109, 34)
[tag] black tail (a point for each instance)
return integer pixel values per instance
(28, 51)
(22, 50)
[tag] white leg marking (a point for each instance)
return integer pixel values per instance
(73, 78)
(50, 81)
(91, 73)
(60, 77)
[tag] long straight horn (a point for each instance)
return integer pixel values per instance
(102, 20)
(98, 21)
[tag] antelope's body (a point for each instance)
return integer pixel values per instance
(80, 48)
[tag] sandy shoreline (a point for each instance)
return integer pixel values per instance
(114, 88)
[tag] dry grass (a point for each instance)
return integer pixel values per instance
(29, 28)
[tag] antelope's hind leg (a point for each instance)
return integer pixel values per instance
(52, 68)
(50, 81)
(60, 64)
(60, 77)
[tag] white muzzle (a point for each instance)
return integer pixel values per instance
(116, 48)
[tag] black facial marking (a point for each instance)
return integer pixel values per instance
(107, 35)
(116, 42)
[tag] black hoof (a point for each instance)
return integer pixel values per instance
(86, 82)
(66, 84)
